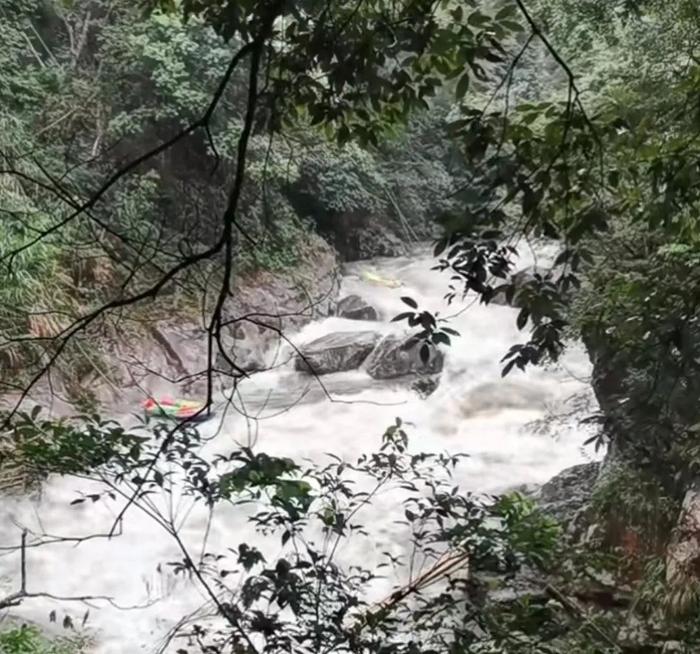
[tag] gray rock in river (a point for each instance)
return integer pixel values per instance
(336, 352)
(355, 308)
(392, 358)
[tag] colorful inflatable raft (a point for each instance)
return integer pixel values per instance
(176, 409)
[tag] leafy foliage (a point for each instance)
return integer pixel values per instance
(28, 639)
(85, 88)
(344, 180)
(310, 593)
(61, 447)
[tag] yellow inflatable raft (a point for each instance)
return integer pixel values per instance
(378, 280)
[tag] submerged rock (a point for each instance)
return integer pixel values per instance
(496, 396)
(336, 352)
(426, 385)
(394, 358)
(355, 308)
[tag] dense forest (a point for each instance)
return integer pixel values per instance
(94, 87)
(176, 176)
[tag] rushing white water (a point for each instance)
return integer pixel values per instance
(473, 411)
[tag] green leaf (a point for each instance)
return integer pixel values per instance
(440, 246)
(512, 26)
(614, 178)
(425, 353)
(506, 12)
(522, 318)
(477, 19)
(440, 337)
(462, 86)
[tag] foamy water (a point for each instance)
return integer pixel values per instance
(473, 411)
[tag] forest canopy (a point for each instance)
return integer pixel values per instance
(151, 146)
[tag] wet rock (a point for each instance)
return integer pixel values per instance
(393, 357)
(336, 352)
(373, 241)
(171, 356)
(246, 350)
(528, 489)
(496, 589)
(168, 359)
(250, 358)
(426, 385)
(359, 237)
(567, 494)
(355, 308)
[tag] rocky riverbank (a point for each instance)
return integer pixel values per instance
(168, 355)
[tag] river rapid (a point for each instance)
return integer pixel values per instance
(501, 424)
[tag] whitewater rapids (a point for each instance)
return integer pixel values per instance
(497, 422)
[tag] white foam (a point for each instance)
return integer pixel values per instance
(503, 452)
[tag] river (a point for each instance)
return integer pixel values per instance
(499, 423)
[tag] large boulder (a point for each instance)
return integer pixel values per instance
(567, 494)
(171, 357)
(336, 352)
(358, 237)
(355, 308)
(395, 356)
(373, 240)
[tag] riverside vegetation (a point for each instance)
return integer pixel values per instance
(154, 157)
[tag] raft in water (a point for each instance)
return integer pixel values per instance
(377, 280)
(176, 409)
